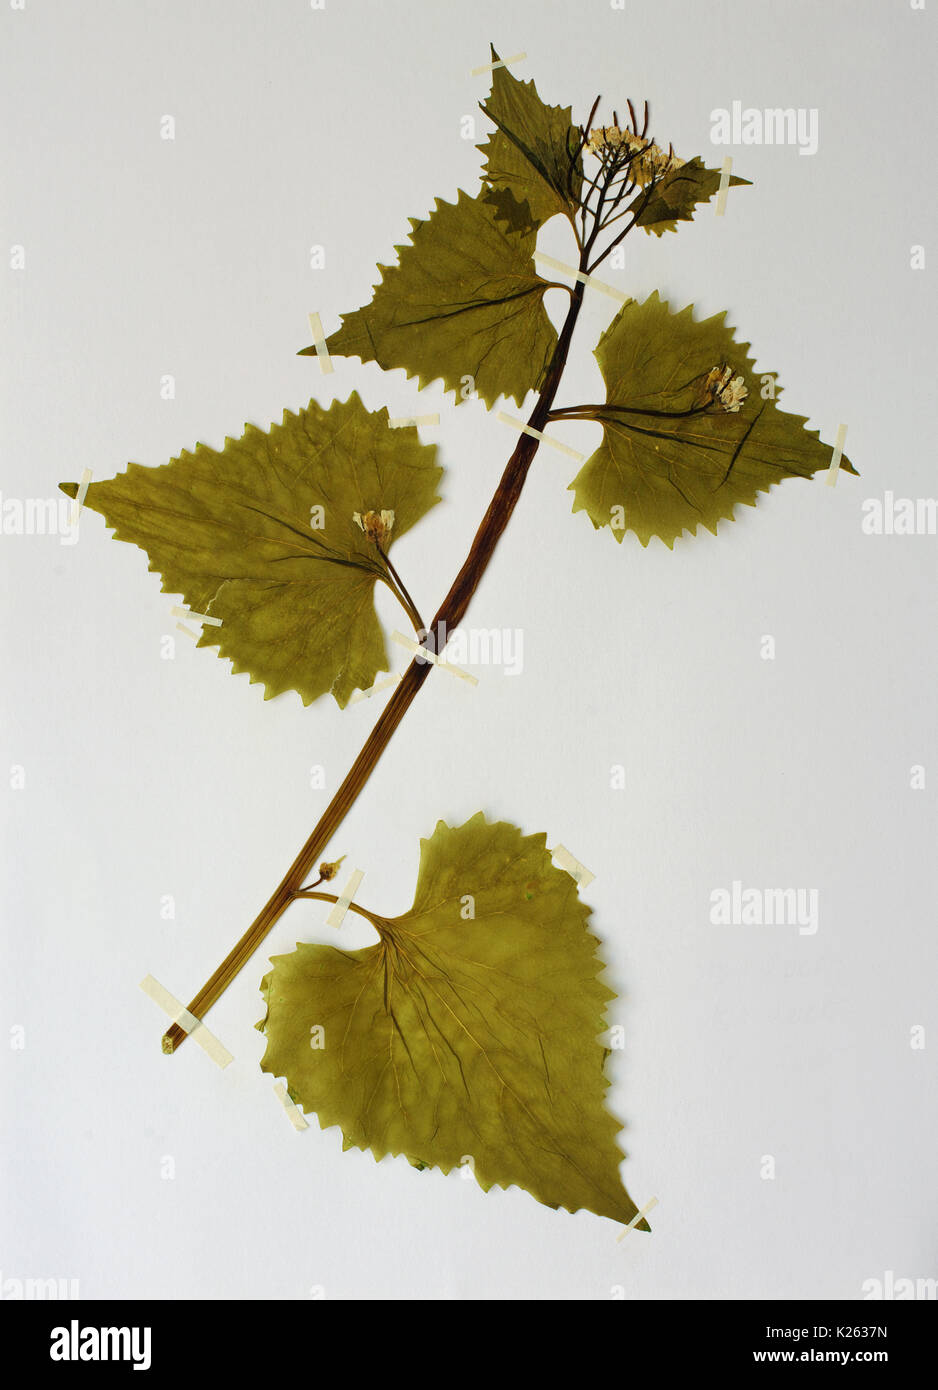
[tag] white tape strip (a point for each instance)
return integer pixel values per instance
(374, 689)
(319, 342)
(831, 479)
(581, 275)
(577, 871)
(294, 1113)
(188, 1022)
(537, 434)
(79, 499)
(502, 63)
(190, 632)
(401, 422)
(639, 1216)
(724, 185)
(337, 915)
(433, 657)
(178, 612)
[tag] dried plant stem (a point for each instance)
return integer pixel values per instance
(450, 614)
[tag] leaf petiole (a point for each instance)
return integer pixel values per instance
(399, 589)
(596, 412)
(372, 917)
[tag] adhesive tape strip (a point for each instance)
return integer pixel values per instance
(724, 185)
(433, 657)
(294, 1113)
(319, 342)
(401, 422)
(181, 627)
(374, 689)
(839, 442)
(337, 915)
(178, 612)
(195, 1028)
(573, 867)
(502, 63)
(581, 275)
(82, 492)
(639, 1216)
(538, 434)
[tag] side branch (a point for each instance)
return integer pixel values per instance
(450, 614)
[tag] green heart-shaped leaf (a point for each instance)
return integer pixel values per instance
(469, 1032)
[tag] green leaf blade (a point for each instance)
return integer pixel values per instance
(529, 155)
(665, 463)
(456, 1039)
(676, 196)
(233, 531)
(464, 301)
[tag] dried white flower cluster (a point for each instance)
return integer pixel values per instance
(609, 142)
(727, 390)
(609, 139)
(377, 527)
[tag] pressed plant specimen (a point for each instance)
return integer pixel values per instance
(472, 1026)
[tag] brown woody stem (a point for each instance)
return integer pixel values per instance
(450, 614)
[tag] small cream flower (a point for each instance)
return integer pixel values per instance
(722, 388)
(733, 395)
(649, 161)
(377, 527)
(654, 163)
(609, 140)
(604, 139)
(717, 378)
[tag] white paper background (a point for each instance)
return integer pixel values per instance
(147, 777)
